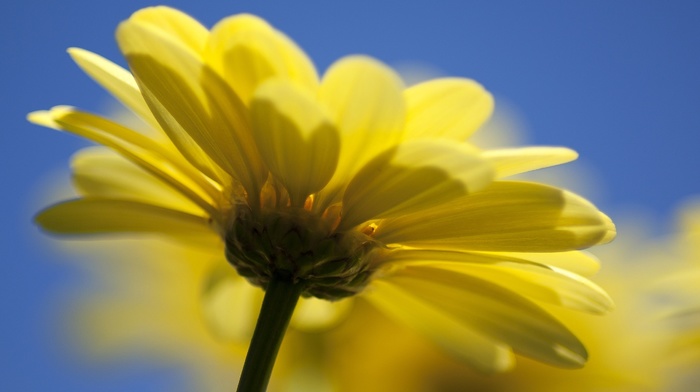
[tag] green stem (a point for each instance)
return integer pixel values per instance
(280, 300)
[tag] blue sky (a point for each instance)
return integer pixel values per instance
(616, 81)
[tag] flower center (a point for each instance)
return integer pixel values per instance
(296, 245)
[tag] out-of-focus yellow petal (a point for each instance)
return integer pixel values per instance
(495, 312)
(100, 172)
(449, 333)
(295, 138)
(452, 108)
(313, 314)
(135, 147)
(151, 305)
(507, 216)
(100, 216)
(115, 79)
(510, 161)
(541, 283)
(245, 50)
(364, 99)
(230, 306)
(175, 24)
(197, 109)
(412, 177)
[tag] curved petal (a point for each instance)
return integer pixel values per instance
(412, 177)
(135, 147)
(245, 50)
(175, 24)
(115, 79)
(537, 282)
(201, 114)
(102, 173)
(507, 216)
(578, 262)
(295, 138)
(364, 100)
(459, 339)
(452, 108)
(495, 312)
(100, 216)
(510, 161)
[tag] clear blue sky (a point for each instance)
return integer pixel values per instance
(616, 80)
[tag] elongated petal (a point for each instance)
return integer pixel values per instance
(449, 333)
(136, 39)
(578, 262)
(100, 216)
(296, 139)
(245, 50)
(537, 282)
(135, 147)
(102, 173)
(364, 99)
(115, 79)
(450, 108)
(412, 177)
(495, 312)
(507, 216)
(510, 161)
(192, 104)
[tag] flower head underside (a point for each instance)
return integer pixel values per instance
(350, 184)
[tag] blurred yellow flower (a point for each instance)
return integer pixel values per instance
(348, 185)
(678, 286)
(177, 304)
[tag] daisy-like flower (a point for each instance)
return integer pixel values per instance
(330, 188)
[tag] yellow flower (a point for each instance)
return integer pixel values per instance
(680, 291)
(347, 185)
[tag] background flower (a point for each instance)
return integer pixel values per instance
(600, 77)
(677, 288)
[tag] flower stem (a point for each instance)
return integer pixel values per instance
(280, 300)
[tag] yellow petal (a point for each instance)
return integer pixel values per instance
(510, 161)
(450, 108)
(230, 306)
(245, 50)
(174, 23)
(295, 138)
(364, 99)
(505, 217)
(495, 312)
(313, 314)
(99, 172)
(100, 216)
(115, 79)
(412, 177)
(537, 282)
(578, 262)
(200, 113)
(135, 147)
(459, 339)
